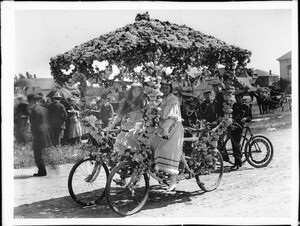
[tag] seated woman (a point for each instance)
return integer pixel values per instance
(167, 153)
(130, 110)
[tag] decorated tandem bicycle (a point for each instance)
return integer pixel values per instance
(161, 50)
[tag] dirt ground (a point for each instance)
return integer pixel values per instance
(242, 195)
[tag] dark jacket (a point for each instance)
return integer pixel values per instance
(40, 129)
(207, 111)
(241, 111)
(57, 114)
(218, 104)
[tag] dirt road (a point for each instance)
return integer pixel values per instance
(246, 193)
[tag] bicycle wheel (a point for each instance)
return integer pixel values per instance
(87, 181)
(229, 150)
(211, 177)
(259, 151)
(126, 192)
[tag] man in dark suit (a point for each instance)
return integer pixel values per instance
(40, 129)
(241, 114)
(57, 118)
(206, 109)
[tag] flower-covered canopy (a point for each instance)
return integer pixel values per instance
(146, 41)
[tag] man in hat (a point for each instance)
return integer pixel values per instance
(106, 112)
(40, 129)
(241, 114)
(219, 99)
(206, 109)
(57, 118)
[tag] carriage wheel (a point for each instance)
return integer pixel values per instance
(87, 181)
(126, 192)
(210, 178)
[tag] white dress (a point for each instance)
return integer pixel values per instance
(167, 153)
(128, 140)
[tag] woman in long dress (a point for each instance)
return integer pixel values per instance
(75, 132)
(167, 153)
(131, 111)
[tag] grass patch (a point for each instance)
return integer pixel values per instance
(278, 121)
(23, 155)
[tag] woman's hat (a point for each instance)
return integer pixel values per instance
(207, 91)
(137, 84)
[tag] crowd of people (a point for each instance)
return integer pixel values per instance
(56, 123)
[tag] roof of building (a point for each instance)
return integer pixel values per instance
(286, 56)
(245, 81)
(259, 73)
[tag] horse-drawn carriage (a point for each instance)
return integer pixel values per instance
(269, 101)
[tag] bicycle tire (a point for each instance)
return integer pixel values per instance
(229, 150)
(84, 175)
(127, 197)
(212, 177)
(253, 155)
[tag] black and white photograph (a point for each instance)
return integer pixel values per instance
(149, 113)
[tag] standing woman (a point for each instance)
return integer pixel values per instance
(130, 110)
(167, 153)
(75, 132)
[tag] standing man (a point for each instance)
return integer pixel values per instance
(39, 118)
(241, 114)
(57, 118)
(206, 109)
(106, 112)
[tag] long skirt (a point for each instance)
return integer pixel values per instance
(75, 130)
(167, 153)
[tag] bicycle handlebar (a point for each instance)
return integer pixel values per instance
(163, 137)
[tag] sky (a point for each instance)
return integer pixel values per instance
(42, 31)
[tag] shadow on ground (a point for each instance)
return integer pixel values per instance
(65, 207)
